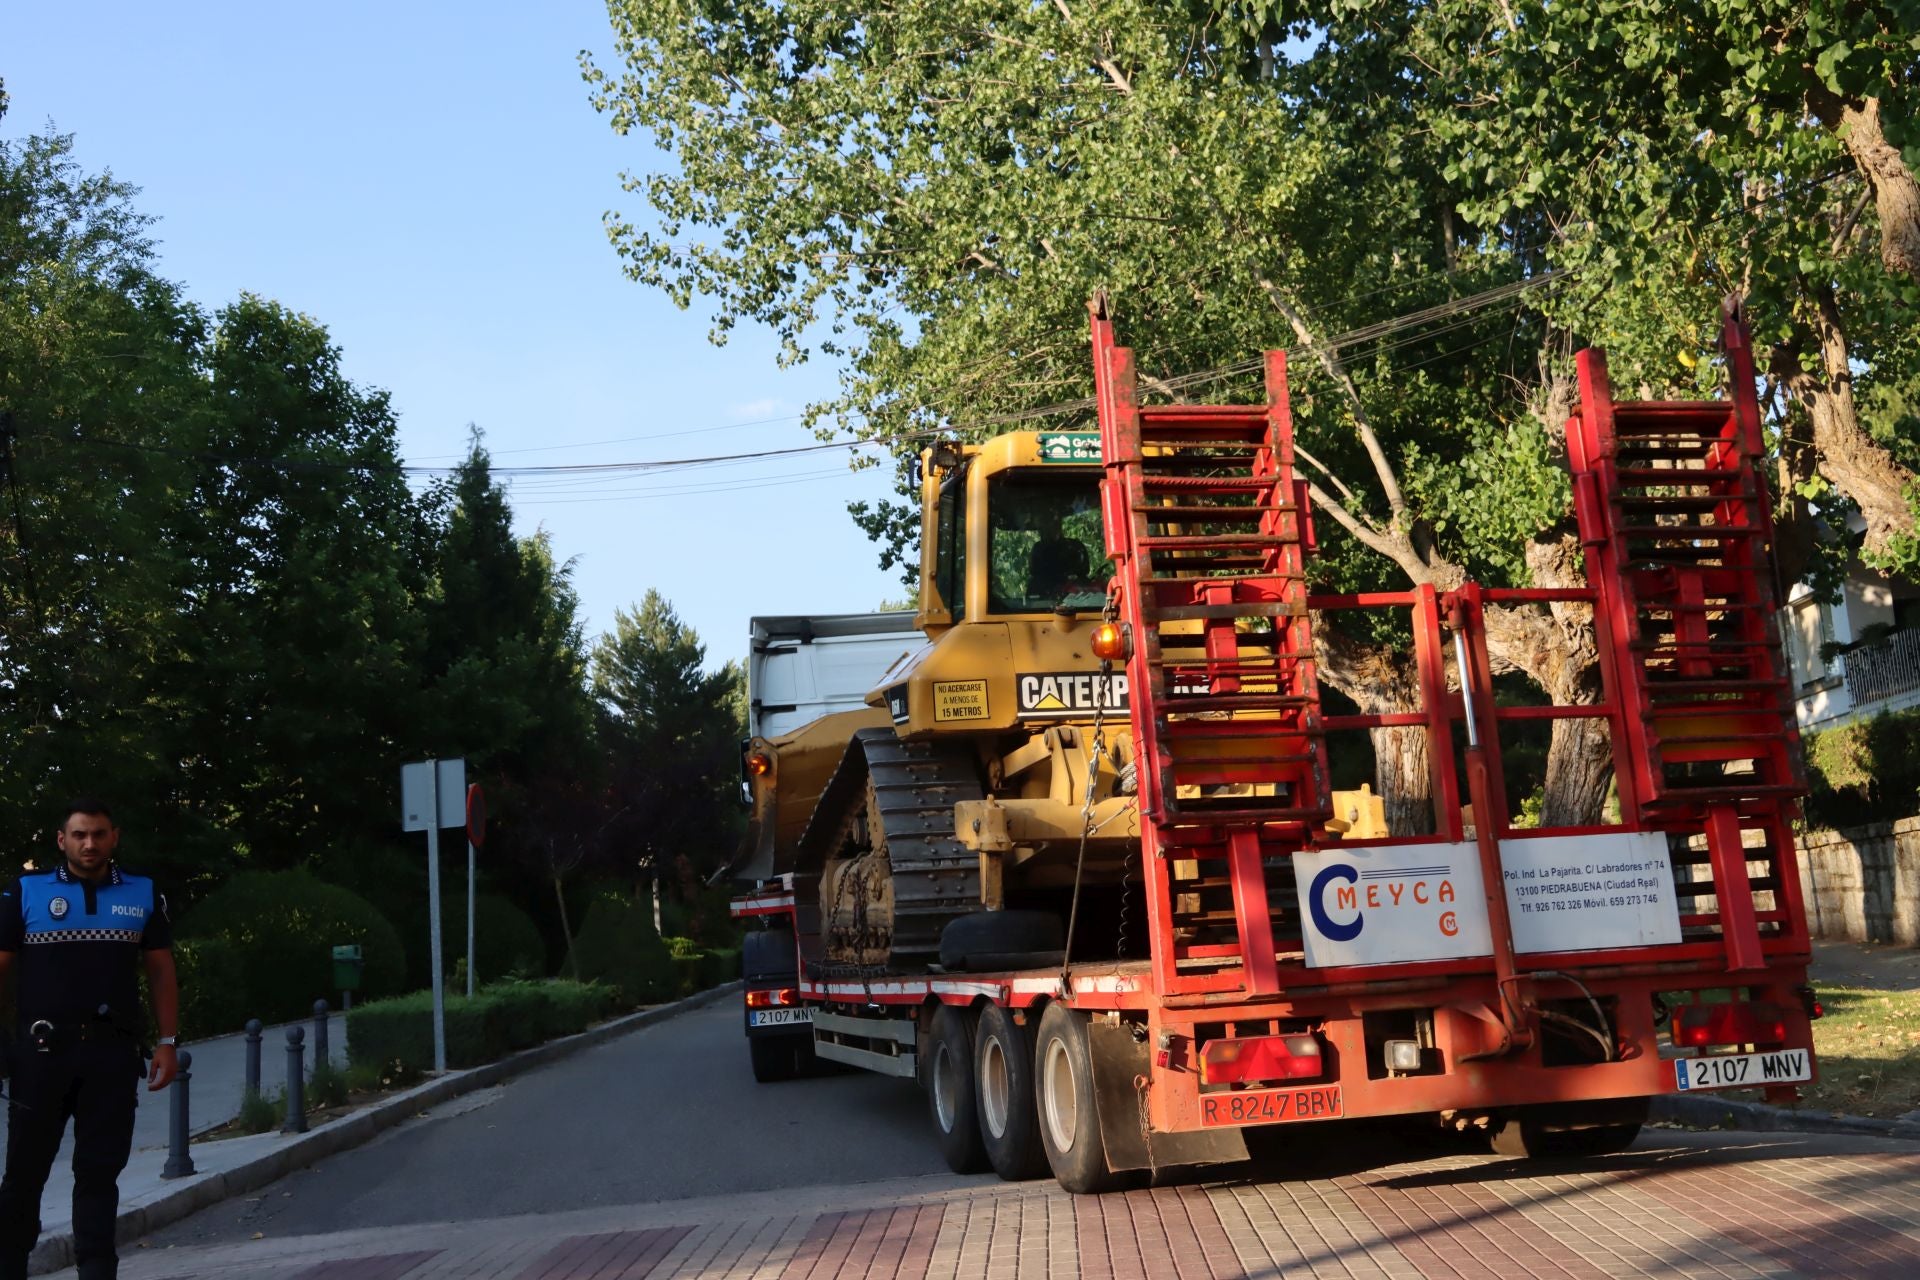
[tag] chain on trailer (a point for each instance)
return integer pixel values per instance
(1109, 613)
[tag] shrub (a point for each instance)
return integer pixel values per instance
(617, 945)
(328, 1087)
(494, 1022)
(259, 1113)
(213, 987)
(507, 940)
(697, 970)
(700, 912)
(282, 926)
(719, 967)
(1866, 771)
(505, 937)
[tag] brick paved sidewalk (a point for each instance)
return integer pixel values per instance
(1774, 1206)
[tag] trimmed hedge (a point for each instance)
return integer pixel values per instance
(496, 1021)
(284, 925)
(617, 945)
(704, 969)
(1866, 771)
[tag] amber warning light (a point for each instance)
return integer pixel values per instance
(1111, 641)
(759, 764)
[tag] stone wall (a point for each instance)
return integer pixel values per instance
(1864, 883)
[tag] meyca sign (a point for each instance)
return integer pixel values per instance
(1406, 903)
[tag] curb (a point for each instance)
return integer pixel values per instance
(1701, 1112)
(55, 1251)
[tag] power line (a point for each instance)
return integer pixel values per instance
(657, 435)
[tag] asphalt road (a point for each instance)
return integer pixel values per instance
(666, 1113)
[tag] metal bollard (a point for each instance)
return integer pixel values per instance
(296, 1081)
(253, 1055)
(320, 1060)
(179, 1163)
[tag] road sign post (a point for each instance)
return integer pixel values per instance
(432, 796)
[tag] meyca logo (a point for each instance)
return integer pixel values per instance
(1392, 904)
(1359, 894)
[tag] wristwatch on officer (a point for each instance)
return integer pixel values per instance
(167, 1042)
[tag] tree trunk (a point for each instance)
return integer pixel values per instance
(566, 928)
(1579, 773)
(1896, 196)
(1381, 680)
(1555, 646)
(1403, 775)
(1858, 465)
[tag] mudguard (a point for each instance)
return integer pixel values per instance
(1118, 1061)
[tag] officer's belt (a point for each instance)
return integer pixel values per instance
(46, 1036)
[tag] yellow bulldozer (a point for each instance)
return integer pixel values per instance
(947, 823)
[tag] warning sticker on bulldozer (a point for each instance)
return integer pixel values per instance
(1070, 693)
(960, 700)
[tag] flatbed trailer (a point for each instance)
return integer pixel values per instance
(1540, 984)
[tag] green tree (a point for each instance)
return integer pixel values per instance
(671, 731)
(99, 370)
(1677, 153)
(936, 190)
(297, 682)
(506, 671)
(505, 653)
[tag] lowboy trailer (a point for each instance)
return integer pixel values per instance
(1279, 961)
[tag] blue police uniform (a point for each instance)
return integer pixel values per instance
(76, 1051)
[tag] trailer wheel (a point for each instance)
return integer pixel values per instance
(1069, 1114)
(1004, 1093)
(950, 1091)
(1567, 1130)
(778, 1057)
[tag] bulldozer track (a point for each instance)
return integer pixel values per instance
(911, 787)
(935, 877)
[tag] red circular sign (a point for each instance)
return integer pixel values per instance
(476, 815)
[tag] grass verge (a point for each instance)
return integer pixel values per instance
(1868, 1050)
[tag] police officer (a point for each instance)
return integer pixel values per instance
(74, 934)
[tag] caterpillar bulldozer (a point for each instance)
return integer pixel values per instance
(989, 790)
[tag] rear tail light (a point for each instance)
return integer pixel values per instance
(1697, 1026)
(1261, 1058)
(768, 997)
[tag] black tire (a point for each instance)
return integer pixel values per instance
(1570, 1130)
(948, 1076)
(768, 953)
(777, 1057)
(1003, 1094)
(971, 938)
(1068, 1111)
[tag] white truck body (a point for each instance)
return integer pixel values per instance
(800, 668)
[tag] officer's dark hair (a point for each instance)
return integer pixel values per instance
(88, 805)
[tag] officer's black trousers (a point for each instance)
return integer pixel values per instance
(93, 1082)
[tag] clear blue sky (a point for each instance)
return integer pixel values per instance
(427, 180)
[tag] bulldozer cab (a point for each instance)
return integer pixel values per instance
(1014, 574)
(1012, 528)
